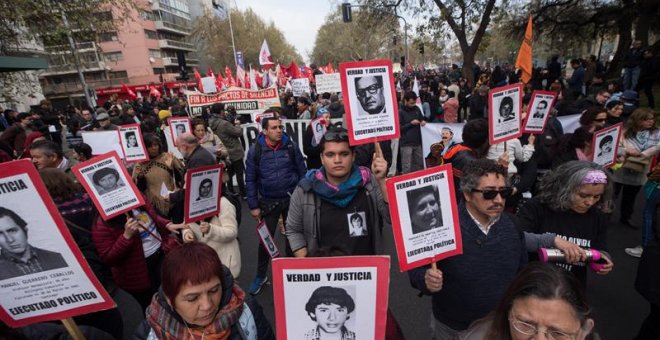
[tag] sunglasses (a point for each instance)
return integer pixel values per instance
(490, 194)
(336, 136)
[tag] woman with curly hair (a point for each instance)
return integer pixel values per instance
(570, 204)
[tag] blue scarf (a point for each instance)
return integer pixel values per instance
(338, 195)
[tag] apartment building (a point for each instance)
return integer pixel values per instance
(143, 51)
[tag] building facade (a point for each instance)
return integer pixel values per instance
(145, 50)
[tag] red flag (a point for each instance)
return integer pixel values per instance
(309, 74)
(153, 91)
(524, 60)
(294, 71)
(130, 92)
(220, 82)
(230, 79)
(198, 77)
(259, 78)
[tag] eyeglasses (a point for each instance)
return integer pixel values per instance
(371, 90)
(490, 194)
(336, 136)
(529, 329)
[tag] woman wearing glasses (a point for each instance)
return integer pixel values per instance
(543, 299)
(641, 141)
(594, 118)
(569, 205)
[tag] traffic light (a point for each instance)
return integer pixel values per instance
(421, 49)
(346, 14)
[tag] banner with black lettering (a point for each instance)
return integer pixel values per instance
(108, 184)
(43, 275)
(338, 297)
(424, 216)
(243, 100)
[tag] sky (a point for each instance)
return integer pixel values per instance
(299, 20)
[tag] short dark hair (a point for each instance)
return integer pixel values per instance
(204, 181)
(326, 295)
(606, 139)
(354, 217)
(4, 212)
(409, 95)
(217, 108)
(543, 102)
(475, 133)
(21, 115)
(335, 130)
(477, 168)
(264, 121)
(48, 147)
(83, 149)
(96, 177)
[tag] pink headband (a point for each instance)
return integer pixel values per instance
(595, 177)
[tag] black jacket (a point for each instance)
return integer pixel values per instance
(411, 135)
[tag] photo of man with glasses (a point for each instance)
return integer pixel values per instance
(370, 94)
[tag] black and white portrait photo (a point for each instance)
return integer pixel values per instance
(504, 113)
(357, 224)
(106, 180)
(205, 189)
(330, 308)
(540, 110)
(424, 209)
(605, 142)
(369, 91)
(506, 110)
(131, 140)
(180, 129)
(369, 101)
(17, 256)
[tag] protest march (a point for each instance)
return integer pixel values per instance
(395, 194)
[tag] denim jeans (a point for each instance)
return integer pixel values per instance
(630, 77)
(648, 215)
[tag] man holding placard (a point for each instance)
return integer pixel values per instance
(468, 286)
(340, 204)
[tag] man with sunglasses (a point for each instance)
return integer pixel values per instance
(466, 287)
(326, 202)
(274, 165)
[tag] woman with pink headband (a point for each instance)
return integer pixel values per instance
(570, 205)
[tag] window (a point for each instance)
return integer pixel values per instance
(117, 74)
(151, 34)
(114, 56)
(147, 15)
(159, 70)
(108, 36)
(154, 53)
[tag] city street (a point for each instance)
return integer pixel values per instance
(618, 309)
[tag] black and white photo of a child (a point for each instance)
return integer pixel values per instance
(424, 209)
(205, 189)
(180, 128)
(371, 94)
(541, 109)
(605, 145)
(330, 308)
(107, 180)
(356, 224)
(131, 139)
(506, 110)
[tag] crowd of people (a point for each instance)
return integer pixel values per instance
(328, 197)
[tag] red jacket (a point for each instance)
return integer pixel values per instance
(126, 257)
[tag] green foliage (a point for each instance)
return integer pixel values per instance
(250, 30)
(22, 21)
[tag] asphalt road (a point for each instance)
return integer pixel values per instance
(617, 308)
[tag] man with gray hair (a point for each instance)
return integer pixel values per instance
(493, 252)
(48, 154)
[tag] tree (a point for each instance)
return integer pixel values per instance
(250, 30)
(371, 35)
(22, 20)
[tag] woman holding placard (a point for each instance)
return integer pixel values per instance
(641, 142)
(199, 299)
(220, 233)
(159, 175)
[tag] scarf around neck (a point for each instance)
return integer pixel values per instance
(167, 324)
(339, 195)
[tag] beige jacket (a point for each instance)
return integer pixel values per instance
(221, 236)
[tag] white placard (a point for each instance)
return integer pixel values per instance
(103, 142)
(300, 86)
(267, 240)
(208, 84)
(328, 82)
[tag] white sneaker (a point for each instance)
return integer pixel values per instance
(636, 252)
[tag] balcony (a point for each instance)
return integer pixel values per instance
(85, 66)
(172, 27)
(70, 88)
(64, 49)
(174, 62)
(176, 45)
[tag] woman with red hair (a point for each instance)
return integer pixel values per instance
(199, 300)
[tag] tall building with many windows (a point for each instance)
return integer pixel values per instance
(146, 49)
